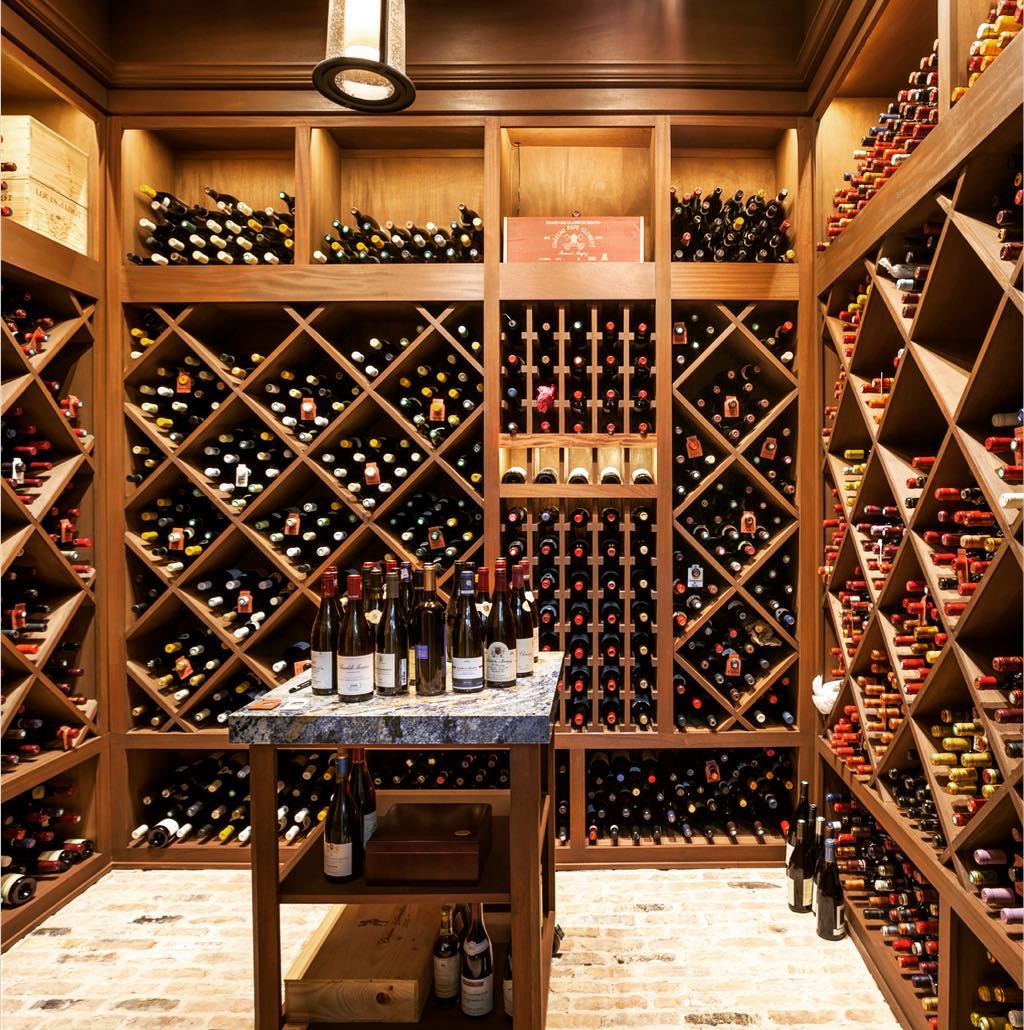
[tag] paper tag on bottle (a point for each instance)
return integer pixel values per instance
(355, 675)
(695, 576)
(17, 471)
(242, 475)
(18, 616)
(679, 333)
(711, 771)
(501, 663)
(694, 449)
(67, 531)
(293, 524)
(371, 474)
(447, 976)
(337, 859)
(244, 603)
(183, 667)
(435, 538)
(748, 522)
(299, 667)
(436, 410)
(373, 616)
(731, 407)
(769, 448)
(467, 673)
(733, 665)
(307, 409)
(176, 539)
(183, 383)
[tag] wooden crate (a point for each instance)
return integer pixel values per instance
(45, 211)
(370, 963)
(48, 158)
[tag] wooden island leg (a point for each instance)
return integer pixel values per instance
(524, 861)
(266, 922)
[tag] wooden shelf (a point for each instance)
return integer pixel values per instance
(711, 280)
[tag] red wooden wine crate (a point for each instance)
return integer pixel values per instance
(574, 239)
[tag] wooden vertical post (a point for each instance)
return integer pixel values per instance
(524, 866)
(492, 338)
(266, 917)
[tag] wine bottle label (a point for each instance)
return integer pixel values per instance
(536, 642)
(337, 859)
(355, 674)
(412, 666)
(385, 668)
(478, 996)
(321, 667)
(695, 576)
(501, 663)
(524, 656)
(467, 673)
(693, 447)
(369, 826)
(506, 993)
(446, 976)
(800, 891)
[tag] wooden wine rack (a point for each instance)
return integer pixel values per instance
(551, 162)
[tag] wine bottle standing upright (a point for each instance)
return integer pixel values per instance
(800, 871)
(506, 982)
(323, 643)
(525, 655)
(391, 647)
(365, 795)
(477, 973)
(500, 634)
(467, 639)
(343, 838)
(355, 647)
(831, 911)
(447, 962)
(431, 673)
(802, 811)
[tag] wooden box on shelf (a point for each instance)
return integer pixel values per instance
(364, 962)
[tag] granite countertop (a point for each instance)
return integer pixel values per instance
(523, 714)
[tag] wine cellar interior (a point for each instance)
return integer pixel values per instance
(731, 466)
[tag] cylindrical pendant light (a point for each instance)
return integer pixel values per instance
(365, 64)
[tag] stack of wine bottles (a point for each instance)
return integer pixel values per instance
(880, 530)
(579, 379)
(900, 130)
(61, 525)
(241, 599)
(850, 318)
(205, 800)
(241, 462)
(994, 35)
(440, 770)
(29, 735)
(368, 242)
(692, 333)
(436, 401)
(1007, 208)
(306, 403)
(181, 660)
(912, 795)
(177, 526)
(908, 264)
(688, 795)
(997, 875)
(1003, 686)
(376, 355)
(370, 468)
(717, 227)
(1000, 1002)
(881, 702)
(436, 528)
(210, 711)
(846, 739)
(28, 319)
(27, 456)
(918, 639)
(963, 761)
(308, 533)
(393, 632)
(27, 607)
(854, 611)
(229, 232)
(890, 895)
(179, 396)
(148, 328)
(594, 603)
(40, 839)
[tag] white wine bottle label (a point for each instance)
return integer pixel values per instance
(373, 617)
(385, 666)
(467, 673)
(524, 656)
(536, 642)
(321, 671)
(506, 994)
(337, 859)
(446, 976)
(478, 996)
(369, 826)
(501, 663)
(355, 674)
(839, 930)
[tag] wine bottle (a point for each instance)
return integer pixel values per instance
(500, 634)
(525, 653)
(447, 961)
(355, 647)
(467, 638)
(323, 644)
(713, 228)
(431, 671)
(506, 982)
(364, 794)
(391, 643)
(343, 840)
(800, 871)
(477, 970)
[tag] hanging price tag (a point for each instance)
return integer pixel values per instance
(748, 522)
(733, 665)
(711, 771)
(176, 539)
(435, 538)
(18, 616)
(679, 333)
(67, 531)
(731, 407)
(693, 447)
(769, 448)
(183, 667)
(183, 383)
(371, 474)
(300, 667)
(307, 409)
(436, 410)
(17, 471)
(695, 576)
(242, 472)
(293, 524)
(244, 604)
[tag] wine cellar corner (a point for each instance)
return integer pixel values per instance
(724, 478)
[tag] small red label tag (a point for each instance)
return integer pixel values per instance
(435, 538)
(244, 604)
(769, 448)
(733, 665)
(371, 474)
(748, 522)
(176, 539)
(67, 531)
(183, 667)
(18, 616)
(183, 384)
(300, 667)
(693, 447)
(264, 704)
(436, 410)
(711, 771)
(307, 409)
(293, 524)
(731, 407)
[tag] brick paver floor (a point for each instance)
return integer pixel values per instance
(648, 948)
